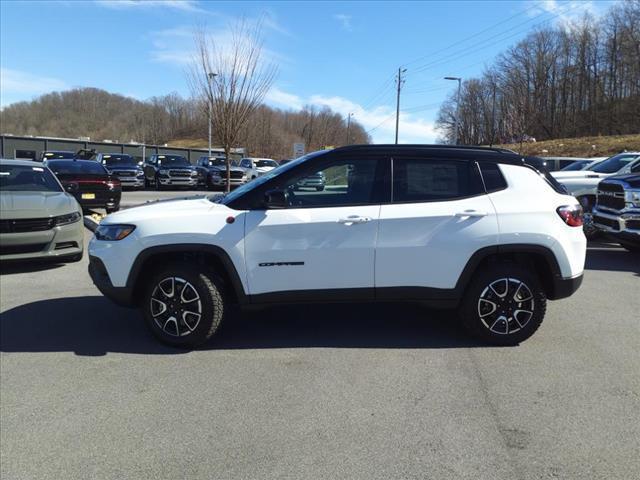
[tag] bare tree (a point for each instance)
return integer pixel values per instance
(242, 80)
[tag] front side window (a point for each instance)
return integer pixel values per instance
(425, 180)
(341, 182)
(21, 178)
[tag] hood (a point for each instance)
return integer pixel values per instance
(163, 210)
(224, 169)
(632, 180)
(264, 169)
(577, 174)
(17, 205)
(125, 168)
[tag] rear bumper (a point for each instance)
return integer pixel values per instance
(120, 295)
(565, 287)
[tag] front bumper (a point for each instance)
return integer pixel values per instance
(56, 244)
(626, 222)
(120, 295)
(104, 199)
(179, 181)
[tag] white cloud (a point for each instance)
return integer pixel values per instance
(176, 45)
(381, 119)
(17, 85)
(277, 97)
(565, 12)
(345, 21)
(182, 5)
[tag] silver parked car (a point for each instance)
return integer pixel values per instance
(38, 219)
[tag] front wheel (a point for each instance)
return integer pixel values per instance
(183, 305)
(503, 305)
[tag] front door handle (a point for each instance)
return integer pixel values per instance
(351, 219)
(471, 213)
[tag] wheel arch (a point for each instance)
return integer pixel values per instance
(212, 257)
(540, 258)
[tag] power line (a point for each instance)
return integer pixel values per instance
(472, 36)
(380, 124)
(463, 53)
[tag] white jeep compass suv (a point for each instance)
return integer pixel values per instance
(471, 228)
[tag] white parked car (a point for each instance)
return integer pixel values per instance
(584, 164)
(455, 227)
(256, 167)
(583, 184)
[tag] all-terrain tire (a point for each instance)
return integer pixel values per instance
(183, 304)
(496, 301)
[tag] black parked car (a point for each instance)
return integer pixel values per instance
(124, 167)
(89, 182)
(163, 171)
(212, 172)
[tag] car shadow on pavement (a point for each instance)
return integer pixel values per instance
(93, 326)
(612, 259)
(13, 268)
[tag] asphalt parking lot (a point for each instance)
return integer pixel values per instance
(361, 391)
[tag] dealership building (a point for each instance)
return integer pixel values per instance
(32, 147)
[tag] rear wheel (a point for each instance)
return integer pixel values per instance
(183, 305)
(503, 305)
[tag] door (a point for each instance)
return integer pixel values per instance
(439, 216)
(323, 241)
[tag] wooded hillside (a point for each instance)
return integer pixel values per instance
(102, 115)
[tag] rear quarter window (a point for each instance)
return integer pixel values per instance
(492, 176)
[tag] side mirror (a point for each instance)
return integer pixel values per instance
(276, 199)
(71, 187)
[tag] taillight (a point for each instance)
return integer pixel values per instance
(572, 215)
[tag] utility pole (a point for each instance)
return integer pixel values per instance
(400, 82)
(457, 122)
(349, 127)
(211, 77)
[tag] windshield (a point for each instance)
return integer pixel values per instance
(247, 187)
(81, 167)
(112, 160)
(216, 162)
(56, 155)
(22, 178)
(615, 163)
(266, 163)
(172, 160)
(579, 165)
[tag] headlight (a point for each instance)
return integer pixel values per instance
(113, 232)
(68, 218)
(633, 197)
(163, 171)
(194, 173)
(140, 174)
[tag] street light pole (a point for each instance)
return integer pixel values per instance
(348, 126)
(457, 122)
(211, 77)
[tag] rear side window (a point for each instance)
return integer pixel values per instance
(492, 177)
(429, 180)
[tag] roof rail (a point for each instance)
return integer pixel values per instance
(427, 146)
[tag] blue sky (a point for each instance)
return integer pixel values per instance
(340, 54)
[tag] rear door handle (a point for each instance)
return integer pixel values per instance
(351, 219)
(471, 213)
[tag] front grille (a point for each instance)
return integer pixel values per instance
(17, 249)
(26, 225)
(236, 174)
(124, 173)
(611, 195)
(180, 173)
(606, 222)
